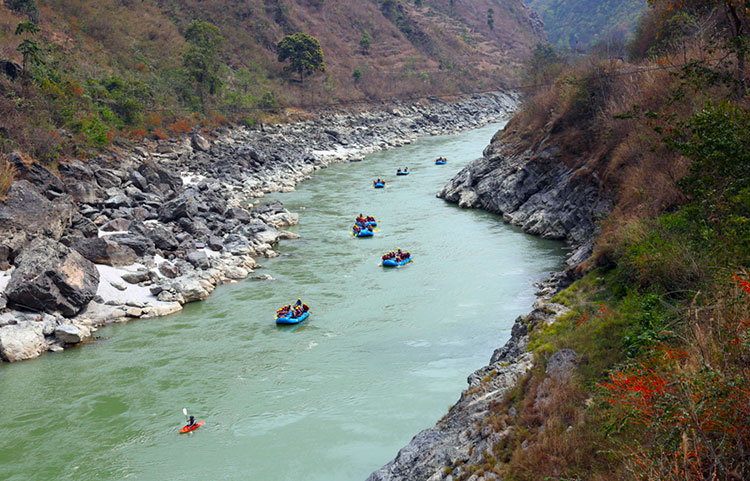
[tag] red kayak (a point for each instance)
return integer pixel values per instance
(187, 429)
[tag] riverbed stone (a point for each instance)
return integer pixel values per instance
(51, 277)
(100, 250)
(22, 341)
(71, 334)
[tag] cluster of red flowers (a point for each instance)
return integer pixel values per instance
(744, 284)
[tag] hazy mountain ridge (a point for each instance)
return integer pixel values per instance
(580, 23)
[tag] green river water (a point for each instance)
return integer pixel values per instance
(384, 354)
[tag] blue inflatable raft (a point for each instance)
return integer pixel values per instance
(441, 162)
(379, 185)
(292, 320)
(395, 263)
(402, 172)
(363, 233)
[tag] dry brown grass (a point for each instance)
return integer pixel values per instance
(8, 175)
(610, 117)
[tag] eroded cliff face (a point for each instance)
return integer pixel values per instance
(534, 189)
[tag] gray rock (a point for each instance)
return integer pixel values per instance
(100, 250)
(182, 206)
(215, 243)
(200, 143)
(70, 334)
(118, 201)
(108, 178)
(163, 238)
(136, 277)
(84, 225)
(188, 289)
(158, 176)
(26, 214)
(543, 196)
(140, 244)
(119, 285)
(169, 270)
(4, 257)
(44, 180)
(139, 180)
(239, 214)
(51, 277)
(561, 363)
(198, 259)
(116, 225)
(22, 341)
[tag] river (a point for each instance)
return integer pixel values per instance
(383, 355)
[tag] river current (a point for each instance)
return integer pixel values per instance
(384, 354)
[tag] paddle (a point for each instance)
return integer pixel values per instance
(184, 411)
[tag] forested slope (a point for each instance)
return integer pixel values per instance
(579, 23)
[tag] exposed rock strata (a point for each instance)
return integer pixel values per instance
(167, 222)
(535, 191)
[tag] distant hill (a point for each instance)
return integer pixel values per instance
(581, 23)
(108, 68)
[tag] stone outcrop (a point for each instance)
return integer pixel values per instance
(50, 277)
(536, 191)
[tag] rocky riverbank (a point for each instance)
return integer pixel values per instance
(145, 229)
(532, 189)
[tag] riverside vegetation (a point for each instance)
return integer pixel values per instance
(634, 362)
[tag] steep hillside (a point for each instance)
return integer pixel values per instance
(634, 362)
(580, 23)
(102, 69)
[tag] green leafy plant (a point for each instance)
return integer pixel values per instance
(304, 54)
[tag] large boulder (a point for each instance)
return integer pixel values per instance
(140, 244)
(80, 182)
(26, 214)
(71, 334)
(200, 143)
(22, 341)
(34, 172)
(159, 177)
(102, 251)
(51, 277)
(184, 205)
(163, 238)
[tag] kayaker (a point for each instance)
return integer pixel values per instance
(191, 422)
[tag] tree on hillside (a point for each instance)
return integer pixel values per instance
(491, 18)
(29, 49)
(303, 52)
(200, 60)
